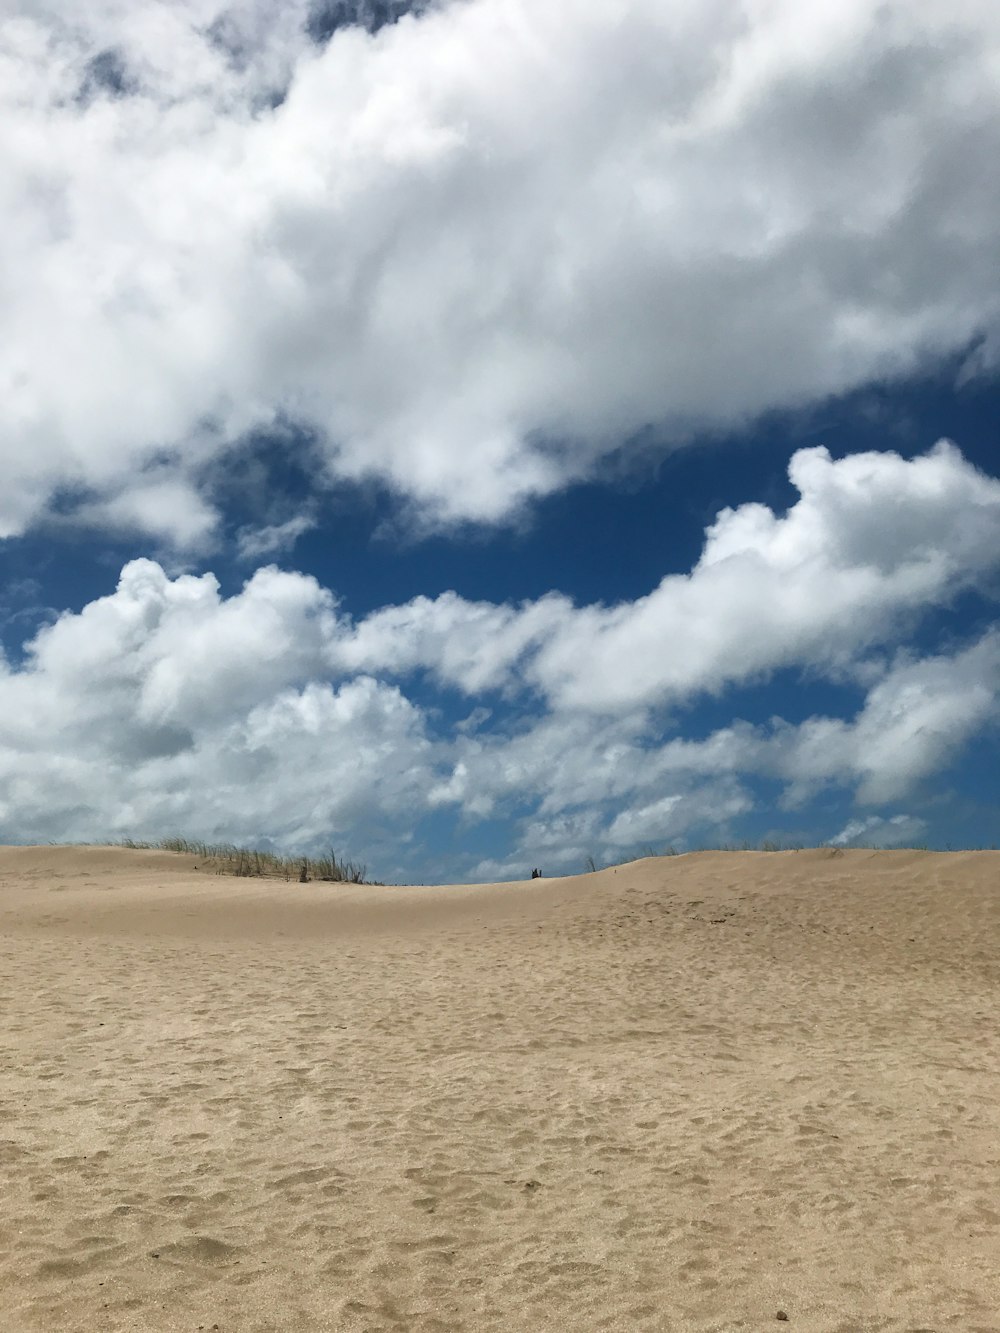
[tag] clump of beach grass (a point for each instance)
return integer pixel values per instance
(227, 858)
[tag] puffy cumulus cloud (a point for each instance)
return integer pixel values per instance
(915, 721)
(873, 540)
(554, 763)
(471, 646)
(165, 706)
(913, 724)
(611, 788)
(477, 249)
(173, 653)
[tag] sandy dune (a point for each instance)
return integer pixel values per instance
(687, 1094)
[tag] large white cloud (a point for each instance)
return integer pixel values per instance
(476, 250)
(168, 707)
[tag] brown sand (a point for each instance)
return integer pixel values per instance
(687, 1094)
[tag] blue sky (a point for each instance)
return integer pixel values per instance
(501, 435)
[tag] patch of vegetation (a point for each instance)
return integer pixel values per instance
(225, 858)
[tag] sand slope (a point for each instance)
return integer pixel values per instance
(685, 1094)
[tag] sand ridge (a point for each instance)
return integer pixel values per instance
(684, 1094)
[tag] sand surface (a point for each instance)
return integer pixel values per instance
(687, 1094)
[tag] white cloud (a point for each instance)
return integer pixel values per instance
(166, 706)
(173, 653)
(476, 250)
(885, 832)
(656, 820)
(914, 722)
(872, 541)
(252, 543)
(601, 786)
(166, 507)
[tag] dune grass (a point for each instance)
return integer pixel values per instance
(227, 858)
